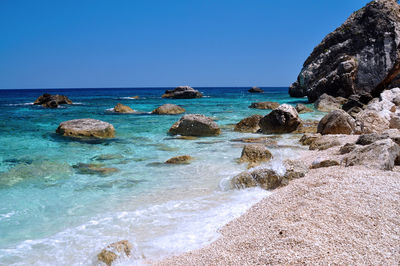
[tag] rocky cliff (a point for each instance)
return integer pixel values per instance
(362, 55)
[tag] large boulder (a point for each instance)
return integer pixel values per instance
(255, 154)
(381, 154)
(370, 121)
(168, 109)
(264, 105)
(337, 122)
(255, 90)
(249, 124)
(327, 103)
(359, 56)
(283, 119)
(120, 108)
(114, 251)
(195, 125)
(182, 92)
(52, 101)
(86, 128)
(264, 178)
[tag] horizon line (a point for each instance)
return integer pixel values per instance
(145, 87)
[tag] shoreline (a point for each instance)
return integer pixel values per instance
(332, 215)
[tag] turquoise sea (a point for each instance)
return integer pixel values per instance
(52, 214)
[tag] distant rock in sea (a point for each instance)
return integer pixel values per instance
(195, 125)
(182, 92)
(264, 105)
(120, 108)
(86, 128)
(359, 56)
(52, 101)
(168, 109)
(255, 90)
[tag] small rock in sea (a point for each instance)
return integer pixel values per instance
(86, 128)
(195, 125)
(135, 97)
(264, 178)
(107, 157)
(255, 154)
(327, 103)
(255, 90)
(114, 251)
(283, 119)
(324, 163)
(52, 101)
(337, 122)
(93, 169)
(182, 92)
(183, 159)
(120, 108)
(168, 109)
(249, 124)
(346, 148)
(302, 109)
(382, 154)
(264, 105)
(309, 138)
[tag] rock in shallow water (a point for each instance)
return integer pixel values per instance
(284, 119)
(195, 125)
(249, 124)
(168, 109)
(120, 108)
(183, 159)
(86, 128)
(182, 92)
(302, 109)
(114, 251)
(255, 154)
(52, 101)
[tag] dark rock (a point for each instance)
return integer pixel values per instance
(301, 108)
(284, 119)
(168, 109)
(354, 111)
(367, 139)
(359, 56)
(396, 100)
(52, 101)
(264, 105)
(195, 125)
(182, 92)
(346, 148)
(256, 90)
(249, 124)
(86, 128)
(337, 122)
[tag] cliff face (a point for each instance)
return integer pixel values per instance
(362, 55)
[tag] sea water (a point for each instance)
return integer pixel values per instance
(52, 214)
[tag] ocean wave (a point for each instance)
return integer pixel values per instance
(18, 104)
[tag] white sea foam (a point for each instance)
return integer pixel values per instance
(18, 104)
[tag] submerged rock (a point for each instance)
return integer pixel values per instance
(343, 63)
(183, 159)
(168, 109)
(381, 154)
(302, 109)
(255, 154)
(52, 101)
(86, 128)
(337, 122)
(195, 125)
(264, 105)
(94, 169)
(120, 108)
(114, 251)
(255, 90)
(284, 119)
(182, 92)
(249, 124)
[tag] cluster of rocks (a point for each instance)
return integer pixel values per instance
(52, 101)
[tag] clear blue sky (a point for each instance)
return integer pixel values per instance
(128, 43)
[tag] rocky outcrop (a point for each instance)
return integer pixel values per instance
(283, 119)
(255, 90)
(52, 101)
(86, 128)
(195, 125)
(168, 109)
(302, 109)
(359, 56)
(249, 124)
(337, 122)
(327, 103)
(183, 159)
(120, 108)
(114, 251)
(381, 154)
(182, 92)
(255, 154)
(264, 105)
